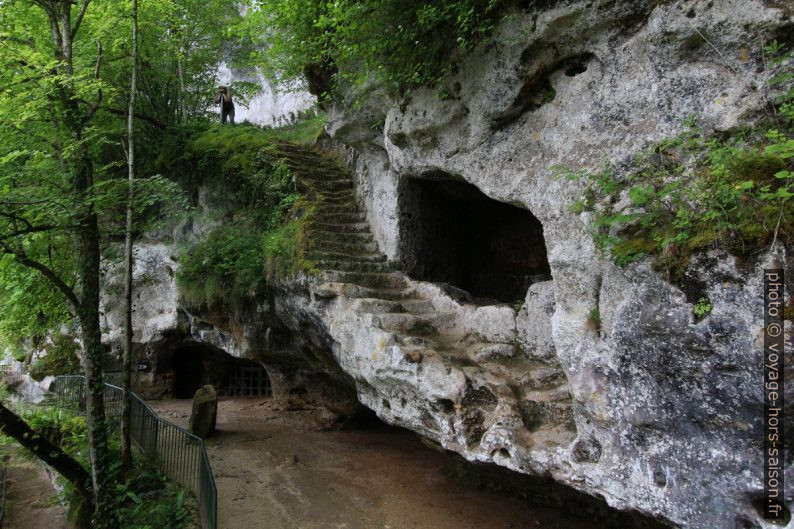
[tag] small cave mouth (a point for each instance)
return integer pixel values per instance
(194, 365)
(453, 233)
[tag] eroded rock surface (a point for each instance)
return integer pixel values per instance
(665, 409)
(646, 406)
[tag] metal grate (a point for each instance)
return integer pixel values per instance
(180, 454)
(249, 381)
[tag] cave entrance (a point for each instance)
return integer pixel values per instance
(453, 233)
(194, 365)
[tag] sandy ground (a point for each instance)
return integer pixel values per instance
(31, 500)
(276, 469)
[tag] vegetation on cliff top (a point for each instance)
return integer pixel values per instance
(395, 44)
(260, 213)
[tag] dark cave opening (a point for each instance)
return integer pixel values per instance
(453, 233)
(194, 365)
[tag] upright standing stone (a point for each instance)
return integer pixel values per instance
(205, 411)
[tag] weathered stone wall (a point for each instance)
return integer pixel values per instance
(667, 408)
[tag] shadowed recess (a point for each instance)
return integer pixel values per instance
(194, 365)
(453, 233)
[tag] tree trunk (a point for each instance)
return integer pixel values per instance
(126, 449)
(88, 316)
(180, 71)
(87, 267)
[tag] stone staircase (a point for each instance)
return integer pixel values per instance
(503, 401)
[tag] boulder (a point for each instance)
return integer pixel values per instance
(204, 412)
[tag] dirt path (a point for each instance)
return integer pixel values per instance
(276, 469)
(31, 500)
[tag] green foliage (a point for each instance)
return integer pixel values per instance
(697, 191)
(237, 162)
(398, 44)
(283, 249)
(29, 305)
(262, 214)
(702, 308)
(225, 267)
(594, 319)
(156, 201)
(61, 358)
(142, 500)
(305, 131)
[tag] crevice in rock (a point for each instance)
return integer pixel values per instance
(453, 233)
(542, 492)
(538, 89)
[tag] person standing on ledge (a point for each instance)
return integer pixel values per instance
(227, 106)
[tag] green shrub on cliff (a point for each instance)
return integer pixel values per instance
(260, 218)
(699, 191)
(224, 267)
(61, 358)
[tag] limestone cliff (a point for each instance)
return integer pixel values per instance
(649, 407)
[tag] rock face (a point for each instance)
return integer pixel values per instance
(644, 405)
(661, 412)
(204, 412)
(271, 105)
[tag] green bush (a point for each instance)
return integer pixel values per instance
(225, 267)
(261, 228)
(61, 358)
(703, 308)
(283, 249)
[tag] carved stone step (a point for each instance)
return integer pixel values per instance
(351, 248)
(322, 216)
(338, 209)
(324, 199)
(543, 378)
(346, 237)
(377, 279)
(561, 393)
(346, 227)
(320, 256)
(356, 266)
(413, 324)
(377, 306)
(490, 352)
(324, 184)
(331, 289)
(344, 193)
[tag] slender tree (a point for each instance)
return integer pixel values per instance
(73, 102)
(126, 451)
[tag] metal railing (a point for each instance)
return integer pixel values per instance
(2, 491)
(180, 455)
